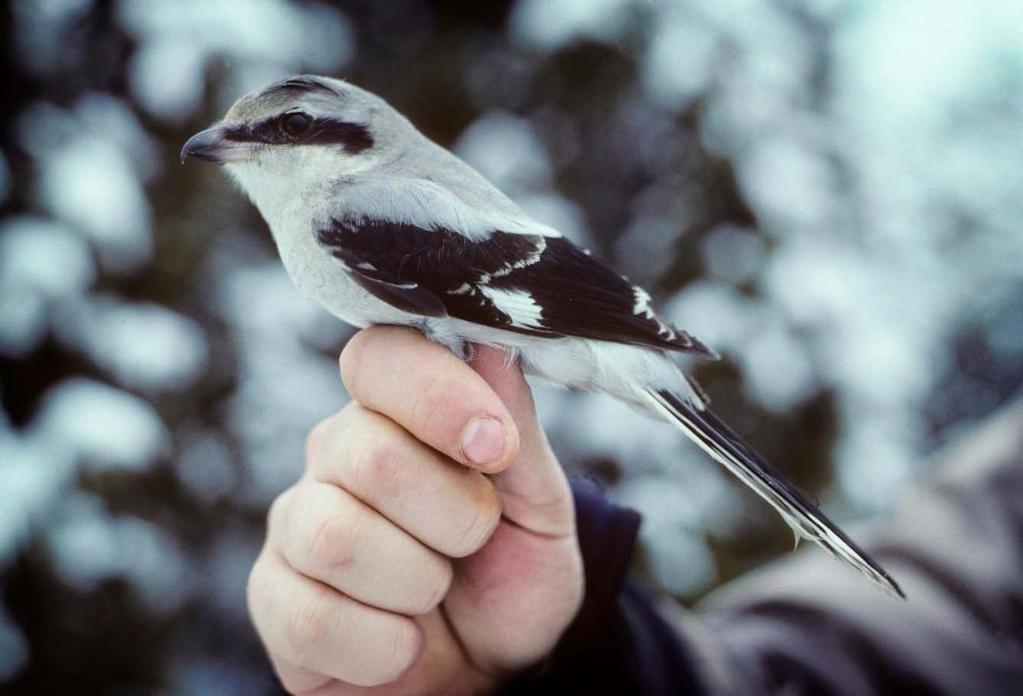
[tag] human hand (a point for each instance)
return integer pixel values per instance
(407, 560)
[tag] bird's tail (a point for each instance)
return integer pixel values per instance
(707, 430)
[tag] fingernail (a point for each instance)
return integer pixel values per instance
(483, 441)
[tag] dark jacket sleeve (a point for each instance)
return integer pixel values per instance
(809, 625)
(619, 643)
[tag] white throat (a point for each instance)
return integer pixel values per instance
(277, 198)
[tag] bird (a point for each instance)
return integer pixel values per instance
(381, 225)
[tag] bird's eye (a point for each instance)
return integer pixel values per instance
(295, 124)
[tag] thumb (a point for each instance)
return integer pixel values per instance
(534, 491)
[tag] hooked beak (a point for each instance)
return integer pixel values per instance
(214, 145)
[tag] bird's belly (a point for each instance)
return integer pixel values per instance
(578, 363)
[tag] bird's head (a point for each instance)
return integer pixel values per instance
(297, 133)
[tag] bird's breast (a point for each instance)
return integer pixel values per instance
(323, 278)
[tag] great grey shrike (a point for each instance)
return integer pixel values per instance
(383, 226)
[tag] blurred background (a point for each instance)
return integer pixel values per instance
(826, 192)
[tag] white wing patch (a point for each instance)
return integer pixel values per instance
(642, 305)
(522, 263)
(642, 308)
(518, 305)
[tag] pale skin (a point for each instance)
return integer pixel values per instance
(419, 553)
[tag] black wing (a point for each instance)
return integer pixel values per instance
(543, 286)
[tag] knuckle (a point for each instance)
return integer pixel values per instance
(388, 654)
(376, 466)
(302, 683)
(351, 359)
(316, 440)
(434, 403)
(439, 586)
(481, 524)
(405, 647)
(276, 516)
(331, 544)
(309, 626)
(328, 443)
(254, 587)
(424, 397)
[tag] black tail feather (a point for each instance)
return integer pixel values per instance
(806, 520)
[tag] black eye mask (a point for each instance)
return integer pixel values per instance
(283, 130)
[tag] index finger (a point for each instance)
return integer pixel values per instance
(432, 393)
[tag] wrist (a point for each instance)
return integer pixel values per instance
(606, 536)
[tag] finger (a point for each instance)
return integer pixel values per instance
(534, 491)
(311, 629)
(326, 534)
(446, 506)
(430, 392)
